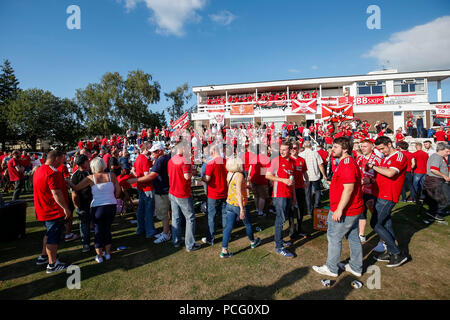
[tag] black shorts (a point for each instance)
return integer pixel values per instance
(366, 198)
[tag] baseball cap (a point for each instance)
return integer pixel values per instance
(156, 147)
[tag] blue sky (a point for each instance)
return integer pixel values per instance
(211, 42)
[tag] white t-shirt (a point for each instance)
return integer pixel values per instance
(306, 132)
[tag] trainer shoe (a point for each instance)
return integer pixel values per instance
(435, 216)
(362, 238)
(324, 270)
(71, 237)
(261, 214)
(287, 244)
(195, 247)
(385, 257)
(207, 242)
(397, 260)
(381, 247)
(86, 248)
(346, 267)
(225, 254)
(256, 243)
(163, 238)
(283, 252)
(99, 259)
(57, 266)
(42, 260)
(158, 235)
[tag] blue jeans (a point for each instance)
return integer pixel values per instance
(381, 223)
(282, 207)
(230, 213)
(313, 189)
(145, 213)
(407, 185)
(419, 132)
(183, 206)
(418, 181)
(54, 230)
(346, 227)
(215, 206)
(85, 220)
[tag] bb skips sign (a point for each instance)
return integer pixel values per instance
(394, 99)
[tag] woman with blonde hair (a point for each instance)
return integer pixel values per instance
(236, 205)
(105, 191)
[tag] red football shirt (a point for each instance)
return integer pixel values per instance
(14, 175)
(80, 145)
(122, 180)
(179, 186)
(421, 161)
(347, 172)
(281, 168)
(390, 188)
(257, 174)
(324, 155)
(46, 179)
(63, 169)
(26, 160)
(217, 185)
(371, 188)
(142, 165)
(440, 136)
(300, 169)
(409, 156)
(399, 137)
(248, 158)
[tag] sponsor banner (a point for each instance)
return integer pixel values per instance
(304, 106)
(336, 101)
(394, 99)
(272, 103)
(443, 111)
(217, 117)
(242, 110)
(369, 100)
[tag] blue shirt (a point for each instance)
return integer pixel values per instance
(161, 183)
(125, 162)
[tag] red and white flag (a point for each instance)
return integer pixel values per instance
(304, 106)
(443, 111)
(182, 122)
(337, 113)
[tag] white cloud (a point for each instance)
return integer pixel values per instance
(224, 17)
(170, 16)
(294, 71)
(422, 47)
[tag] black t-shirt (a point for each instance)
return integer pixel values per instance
(115, 162)
(85, 194)
(161, 183)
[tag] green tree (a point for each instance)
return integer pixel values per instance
(9, 88)
(179, 97)
(115, 104)
(38, 114)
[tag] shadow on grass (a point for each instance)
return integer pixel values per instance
(266, 292)
(338, 291)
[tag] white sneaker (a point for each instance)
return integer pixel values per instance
(158, 235)
(324, 270)
(346, 267)
(208, 242)
(99, 259)
(362, 238)
(107, 257)
(381, 247)
(163, 238)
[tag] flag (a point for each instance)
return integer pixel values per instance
(304, 106)
(217, 117)
(443, 111)
(337, 113)
(182, 122)
(242, 109)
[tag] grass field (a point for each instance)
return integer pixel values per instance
(149, 271)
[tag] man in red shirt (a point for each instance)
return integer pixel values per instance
(146, 206)
(299, 203)
(390, 178)
(399, 137)
(369, 186)
(420, 172)
(15, 171)
(51, 206)
(281, 172)
(180, 195)
(216, 180)
(346, 205)
(409, 127)
(407, 185)
(440, 135)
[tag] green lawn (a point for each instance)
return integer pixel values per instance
(149, 271)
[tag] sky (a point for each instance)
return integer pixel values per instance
(205, 42)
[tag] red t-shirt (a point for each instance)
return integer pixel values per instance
(104, 142)
(440, 136)
(371, 188)
(324, 155)
(63, 169)
(347, 172)
(143, 164)
(300, 169)
(89, 145)
(26, 160)
(409, 156)
(328, 140)
(80, 145)
(421, 161)
(248, 158)
(282, 168)
(46, 179)
(122, 180)
(390, 188)
(14, 175)
(107, 157)
(217, 185)
(399, 137)
(257, 174)
(179, 186)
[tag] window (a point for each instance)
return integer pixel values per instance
(410, 85)
(371, 87)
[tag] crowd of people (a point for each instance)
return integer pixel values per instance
(286, 170)
(265, 96)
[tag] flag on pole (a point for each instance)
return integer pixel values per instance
(304, 106)
(182, 122)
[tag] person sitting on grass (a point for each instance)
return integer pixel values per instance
(105, 190)
(236, 205)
